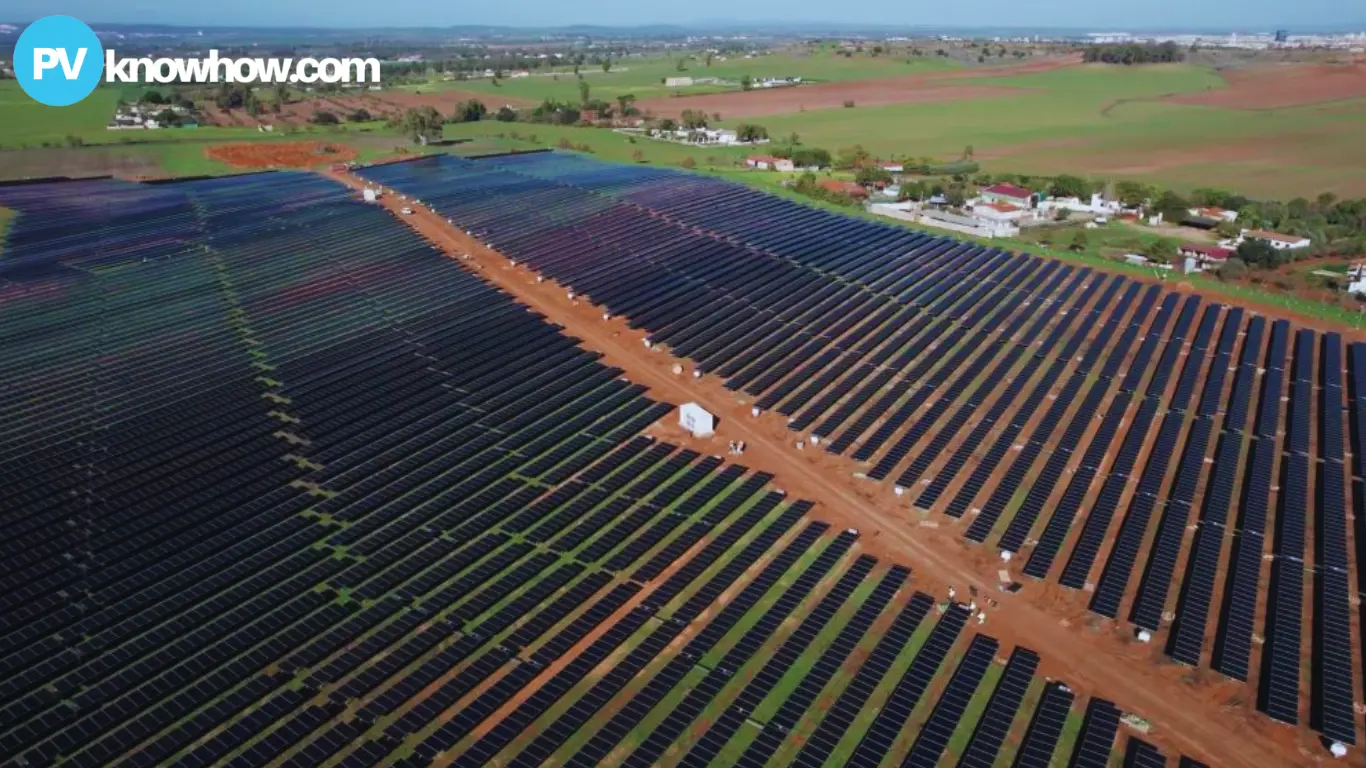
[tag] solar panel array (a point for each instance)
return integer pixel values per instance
(1060, 413)
(283, 484)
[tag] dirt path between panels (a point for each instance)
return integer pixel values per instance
(1204, 721)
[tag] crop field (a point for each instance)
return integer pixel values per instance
(644, 77)
(1173, 467)
(1111, 123)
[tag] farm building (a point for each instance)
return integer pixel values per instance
(770, 163)
(1009, 193)
(979, 226)
(1277, 240)
(1204, 254)
(999, 212)
(1218, 214)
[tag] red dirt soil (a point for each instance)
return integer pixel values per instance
(904, 89)
(1288, 85)
(272, 154)
(1204, 719)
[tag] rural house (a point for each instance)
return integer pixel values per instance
(1206, 255)
(1009, 193)
(996, 212)
(770, 163)
(1218, 214)
(1277, 240)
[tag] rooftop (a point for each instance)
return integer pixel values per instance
(1262, 234)
(1008, 190)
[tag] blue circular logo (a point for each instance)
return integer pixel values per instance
(58, 60)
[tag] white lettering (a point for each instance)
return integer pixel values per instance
(211, 69)
(44, 58)
(73, 72)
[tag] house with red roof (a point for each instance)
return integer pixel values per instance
(998, 211)
(1009, 193)
(1206, 254)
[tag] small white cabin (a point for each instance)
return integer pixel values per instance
(696, 420)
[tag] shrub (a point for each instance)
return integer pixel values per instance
(688, 162)
(848, 103)
(323, 117)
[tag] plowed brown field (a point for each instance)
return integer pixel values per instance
(905, 89)
(272, 154)
(1284, 85)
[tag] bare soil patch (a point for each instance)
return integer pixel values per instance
(271, 154)
(906, 89)
(1282, 85)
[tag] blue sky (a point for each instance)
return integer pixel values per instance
(1235, 14)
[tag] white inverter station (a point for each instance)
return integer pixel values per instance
(696, 420)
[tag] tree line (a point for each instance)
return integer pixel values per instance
(1134, 53)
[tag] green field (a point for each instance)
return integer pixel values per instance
(1109, 122)
(644, 77)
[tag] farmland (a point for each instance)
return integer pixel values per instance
(1111, 123)
(643, 77)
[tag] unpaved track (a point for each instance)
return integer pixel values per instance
(1187, 720)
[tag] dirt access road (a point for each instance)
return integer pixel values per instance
(1194, 718)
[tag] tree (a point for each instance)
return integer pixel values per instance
(709, 55)
(1232, 269)
(750, 133)
(1326, 200)
(1069, 186)
(746, 83)
(1160, 251)
(1172, 206)
(688, 162)
(869, 175)
(1131, 193)
(694, 119)
(1079, 241)
(915, 190)
(506, 114)
(626, 104)
(812, 157)
(422, 124)
(1260, 254)
(360, 116)
(967, 152)
(471, 111)
(794, 139)
(583, 91)
(853, 158)
(153, 97)
(667, 125)
(607, 64)
(682, 65)
(322, 117)
(638, 156)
